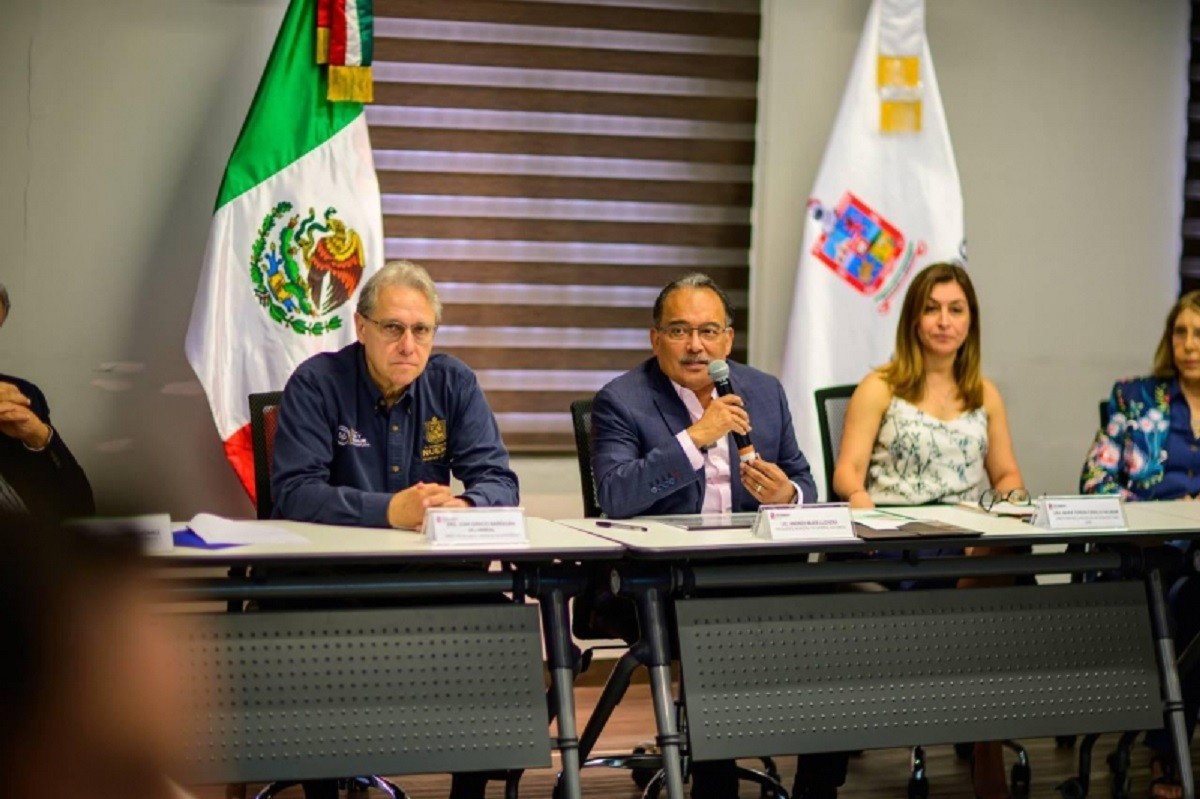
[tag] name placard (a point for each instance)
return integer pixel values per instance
(476, 526)
(1083, 512)
(819, 522)
(152, 530)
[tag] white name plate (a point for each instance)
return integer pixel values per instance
(476, 526)
(815, 523)
(152, 531)
(1083, 512)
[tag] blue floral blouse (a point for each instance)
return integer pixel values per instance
(1147, 450)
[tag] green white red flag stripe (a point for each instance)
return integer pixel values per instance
(296, 230)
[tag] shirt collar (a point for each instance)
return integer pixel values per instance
(690, 400)
(373, 391)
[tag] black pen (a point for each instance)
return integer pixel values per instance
(621, 526)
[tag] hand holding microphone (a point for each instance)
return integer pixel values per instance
(724, 415)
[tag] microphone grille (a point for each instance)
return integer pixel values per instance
(718, 370)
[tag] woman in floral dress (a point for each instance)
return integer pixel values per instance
(1150, 449)
(929, 427)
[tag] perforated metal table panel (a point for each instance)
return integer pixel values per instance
(321, 694)
(813, 673)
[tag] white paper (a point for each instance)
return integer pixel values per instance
(218, 530)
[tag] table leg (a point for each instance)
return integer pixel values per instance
(557, 629)
(652, 613)
(1164, 646)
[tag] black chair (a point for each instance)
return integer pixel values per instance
(588, 617)
(581, 418)
(831, 417)
(264, 421)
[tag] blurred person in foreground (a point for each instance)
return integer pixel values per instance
(89, 683)
(1150, 450)
(38, 474)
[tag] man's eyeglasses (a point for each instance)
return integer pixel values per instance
(394, 331)
(680, 332)
(991, 498)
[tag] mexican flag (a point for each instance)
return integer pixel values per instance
(886, 203)
(297, 229)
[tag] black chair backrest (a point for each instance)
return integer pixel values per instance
(581, 417)
(264, 421)
(831, 416)
(1103, 414)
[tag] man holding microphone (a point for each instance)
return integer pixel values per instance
(668, 439)
(687, 432)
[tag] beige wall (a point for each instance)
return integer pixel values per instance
(118, 117)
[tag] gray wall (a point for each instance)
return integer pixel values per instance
(1067, 119)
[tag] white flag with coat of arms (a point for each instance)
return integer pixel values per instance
(886, 203)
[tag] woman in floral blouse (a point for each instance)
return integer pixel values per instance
(1150, 449)
(929, 427)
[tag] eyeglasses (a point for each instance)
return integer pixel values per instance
(991, 498)
(708, 332)
(394, 331)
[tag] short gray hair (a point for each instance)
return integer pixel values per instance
(400, 274)
(694, 280)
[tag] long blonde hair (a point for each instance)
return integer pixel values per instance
(1164, 356)
(905, 373)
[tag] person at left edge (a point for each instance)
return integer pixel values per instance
(370, 435)
(38, 474)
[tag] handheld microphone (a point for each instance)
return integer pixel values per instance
(718, 370)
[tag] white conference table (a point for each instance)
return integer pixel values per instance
(545, 568)
(338, 563)
(548, 541)
(665, 562)
(1147, 521)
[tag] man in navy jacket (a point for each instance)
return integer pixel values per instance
(663, 444)
(370, 435)
(663, 438)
